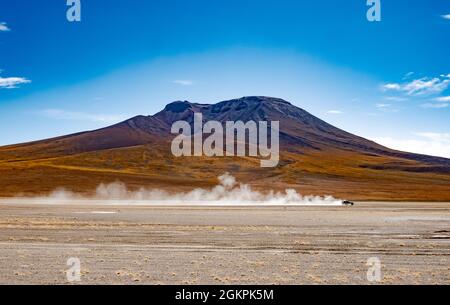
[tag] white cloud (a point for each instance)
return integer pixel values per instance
(392, 86)
(435, 105)
(386, 108)
(59, 114)
(12, 82)
(438, 103)
(335, 112)
(395, 98)
(4, 27)
(183, 82)
(427, 143)
(408, 75)
(422, 86)
(446, 16)
(426, 86)
(443, 99)
(383, 106)
(443, 137)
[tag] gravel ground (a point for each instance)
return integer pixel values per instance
(224, 245)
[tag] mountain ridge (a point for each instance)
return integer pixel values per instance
(160, 123)
(313, 154)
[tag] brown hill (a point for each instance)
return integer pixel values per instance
(316, 158)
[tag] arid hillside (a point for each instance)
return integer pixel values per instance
(316, 158)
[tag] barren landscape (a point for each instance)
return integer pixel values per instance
(124, 244)
(316, 158)
(288, 142)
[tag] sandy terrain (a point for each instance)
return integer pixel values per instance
(225, 245)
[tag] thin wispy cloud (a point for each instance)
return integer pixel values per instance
(435, 105)
(408, 75)
(335, 112)
(12, 82)
(446, 16)
(438, 103)
(435, 136)
(59, 114)
(183, 82)
(392, 86)
(422, 86)
(4, 27)
(443, 99)
(385, 107)
(428, 143)
(395, 98)
(382, 106)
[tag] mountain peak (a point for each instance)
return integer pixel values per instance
(266, 99)
(182, 106)
(257, 100)
(178, 106)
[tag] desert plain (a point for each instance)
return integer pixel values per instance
(131, 244)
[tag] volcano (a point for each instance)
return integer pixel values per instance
(315, 158)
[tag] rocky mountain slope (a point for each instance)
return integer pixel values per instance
(316, 158)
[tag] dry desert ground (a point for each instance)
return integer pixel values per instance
(125, 244)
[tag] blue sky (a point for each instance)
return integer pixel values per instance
(385, 80)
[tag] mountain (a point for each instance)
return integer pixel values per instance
(316, 158)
